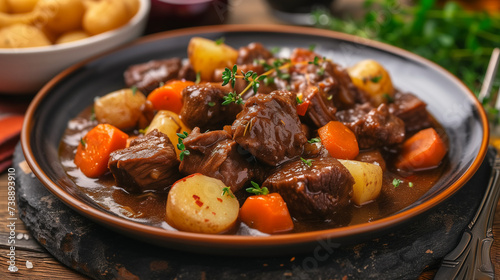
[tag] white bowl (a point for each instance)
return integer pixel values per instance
(26, 70)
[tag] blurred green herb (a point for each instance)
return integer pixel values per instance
(198, 77)
(457, 39)
(396, 182)
(220, 41)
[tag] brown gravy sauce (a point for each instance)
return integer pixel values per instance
(149, 208)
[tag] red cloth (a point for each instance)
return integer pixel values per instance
(11, 122)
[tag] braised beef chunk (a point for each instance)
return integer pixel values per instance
(241, 84)
(346, 94)
(372, 156)
(254, 51)
(149, 163)
(187, 73)
(269, 128)
(148, 76)
(374, 127)
(217, 155)
(203, 107)
(326, 86)
(411, 110)
(312, 150)
(320, 110)
(320, 191)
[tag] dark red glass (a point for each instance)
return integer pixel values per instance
(172, 14)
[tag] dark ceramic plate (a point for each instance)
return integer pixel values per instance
(448, 99)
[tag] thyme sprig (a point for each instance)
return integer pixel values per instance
(307, 162)
(227, 191)
(256, 189)
(181, 145)
(314, 140)
(83, 142)
(254, 80)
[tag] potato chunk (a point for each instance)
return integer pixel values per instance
(367, 180)
(71, 36)
(373, 78)
(22, 36)
(20, 6)
(121, 108)
(4, 6)
(106, 15)
(61, 15)
(206, 55)
(199, 204)
(170, 124)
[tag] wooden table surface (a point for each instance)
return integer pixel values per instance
(34, 262)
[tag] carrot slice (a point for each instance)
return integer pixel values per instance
(302, 108)
(267, 213)
(93, 152)
(423, 150)
(169, 96)
(339, 140)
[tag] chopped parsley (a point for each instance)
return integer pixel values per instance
(134, 90)
(220, 41)
(396, 182)
(376, 79)
(388, 98)
(275, 50)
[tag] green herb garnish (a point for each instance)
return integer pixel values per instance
(410, 184)
(180, 145)
(92, 114)
(227, 190)
(83, 142)
(388, 98)
(299, 101)
(275, 50)
(315, 61)
(376, 79)
(211, 103)
(232, 97)
(134, 90)
(459, 40)
(314, 140)
(307, 162)
(253, 79)
(220, 41)
(396, 182)
(198, 77)
(256, 189)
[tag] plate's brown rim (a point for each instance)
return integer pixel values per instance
(236, 240)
